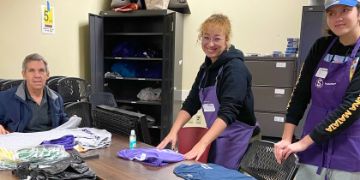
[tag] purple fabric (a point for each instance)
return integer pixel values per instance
(226, 150)
(341, 152)
(151, 156)
(67, 141)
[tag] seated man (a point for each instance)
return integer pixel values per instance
(32, 106)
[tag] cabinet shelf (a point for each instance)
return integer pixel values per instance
(134, 58)
(135, 79)
(134, 34)
(129, 101)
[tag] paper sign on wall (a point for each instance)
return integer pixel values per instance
(47, 19)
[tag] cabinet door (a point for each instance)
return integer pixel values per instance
(96, 52)
(168, 72)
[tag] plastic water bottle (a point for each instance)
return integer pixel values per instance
(132, 139)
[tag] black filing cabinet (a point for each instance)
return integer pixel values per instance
(147, 46)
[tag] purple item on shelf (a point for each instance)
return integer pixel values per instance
(151, 156)
(67, 141)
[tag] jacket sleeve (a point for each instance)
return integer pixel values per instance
(63, 116)
(192, 102)
(2, 109)
(233, 86)
(301, 94)
(344, 115)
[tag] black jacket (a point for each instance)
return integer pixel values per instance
(302, 92)
(233, 88)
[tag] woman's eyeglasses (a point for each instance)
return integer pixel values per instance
(208, 39)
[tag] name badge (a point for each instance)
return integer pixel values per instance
(208, 107)
(322, 73)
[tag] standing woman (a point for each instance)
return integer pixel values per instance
(222, 89)
(330, 78)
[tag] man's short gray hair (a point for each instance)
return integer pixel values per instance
(34, 57)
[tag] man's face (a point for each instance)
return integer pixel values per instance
(35, 75)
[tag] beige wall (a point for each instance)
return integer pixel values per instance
(258, 26)
(66, 50)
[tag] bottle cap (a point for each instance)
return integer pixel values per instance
(132, 132)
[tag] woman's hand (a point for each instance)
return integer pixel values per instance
(196, 151)
(182, 117)
(299, 146)
(3, 130)
(170, 138)
(279, 150)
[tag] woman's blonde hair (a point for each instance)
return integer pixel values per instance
(216, 20)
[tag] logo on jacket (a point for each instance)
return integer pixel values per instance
(319, 83)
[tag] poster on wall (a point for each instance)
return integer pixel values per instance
(47, 19)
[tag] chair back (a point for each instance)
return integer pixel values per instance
(53, 82)
(259, 161)
(188, 137)
(121, 121)
(2, 81)
(102, 98)
(7, 84)
(54, 77)
(73, 89)
(81, 109)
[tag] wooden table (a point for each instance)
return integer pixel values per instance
(109, 166)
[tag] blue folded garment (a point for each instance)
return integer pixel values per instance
(208, 172)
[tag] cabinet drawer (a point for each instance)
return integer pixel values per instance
(271, 124)
(272, 73)
(271, 98)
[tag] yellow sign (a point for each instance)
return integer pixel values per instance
(47, 19)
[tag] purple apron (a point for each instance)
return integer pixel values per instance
(341, 152)
(228, 149)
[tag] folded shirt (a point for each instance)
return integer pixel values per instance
(151, 156)
(208, 172)
(87, 138)
(67, 141)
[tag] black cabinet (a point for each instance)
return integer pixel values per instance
(313, 26)
(138, 50)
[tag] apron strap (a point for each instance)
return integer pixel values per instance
(355, 50)
(202, 79)
(216, 80)
(217, 76)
